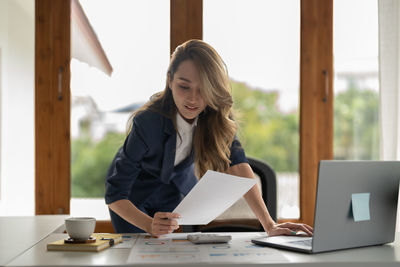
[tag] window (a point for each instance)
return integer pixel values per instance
(356, 84)
(316, 17)
(137, 45)
(260, 43)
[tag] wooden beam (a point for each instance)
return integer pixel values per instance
(52, 106)
(316, 97)
(186, 21)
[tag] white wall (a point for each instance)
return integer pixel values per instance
(17, 107)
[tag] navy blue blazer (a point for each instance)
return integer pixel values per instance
(143, 169)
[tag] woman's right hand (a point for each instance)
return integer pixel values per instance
(164, 223)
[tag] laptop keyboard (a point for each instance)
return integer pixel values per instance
(306, 242)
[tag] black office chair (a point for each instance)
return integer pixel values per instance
(267, 178)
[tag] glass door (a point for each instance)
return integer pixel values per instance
(260, 43)
(137, 46)
(356, 84)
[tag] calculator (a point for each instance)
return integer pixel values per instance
(208, 238)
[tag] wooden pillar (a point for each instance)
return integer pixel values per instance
(52, 106)
(316, 97)
(186, 21)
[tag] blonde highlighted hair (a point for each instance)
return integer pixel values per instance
(216, 127)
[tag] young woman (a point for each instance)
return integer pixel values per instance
(173, 140)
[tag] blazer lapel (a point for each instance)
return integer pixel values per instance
(169, 152)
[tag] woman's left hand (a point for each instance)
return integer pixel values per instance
(289, 228)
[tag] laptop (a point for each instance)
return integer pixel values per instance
(355, 206)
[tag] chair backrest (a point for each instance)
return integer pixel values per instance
(240, 218)
(268, 183)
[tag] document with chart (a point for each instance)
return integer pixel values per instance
(211, 196)
(175, 248)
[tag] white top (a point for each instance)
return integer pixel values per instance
(254, 256)
(184, 142)
(19, 233)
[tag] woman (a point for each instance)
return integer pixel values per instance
(179, 134)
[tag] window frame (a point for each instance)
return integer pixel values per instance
(52, 114)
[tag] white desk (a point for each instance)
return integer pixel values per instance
(23, 243)
(18, 234)
(386, 255)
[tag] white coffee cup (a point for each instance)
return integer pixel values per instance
(80, 228)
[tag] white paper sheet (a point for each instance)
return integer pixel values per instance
(174, 249)
(127, 242)
(212, 195)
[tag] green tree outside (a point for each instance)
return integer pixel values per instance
(356, 120)
(266, 133)
(90, 161)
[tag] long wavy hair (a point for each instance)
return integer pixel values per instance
(216, 127)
